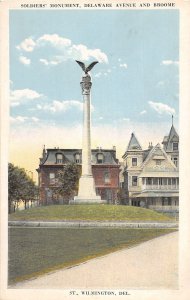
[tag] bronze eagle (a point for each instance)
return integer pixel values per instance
(86, 69)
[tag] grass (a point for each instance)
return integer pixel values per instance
(89, 212)
(36, 251)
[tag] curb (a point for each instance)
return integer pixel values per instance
(80, 224)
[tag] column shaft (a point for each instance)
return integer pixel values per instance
(86, 147)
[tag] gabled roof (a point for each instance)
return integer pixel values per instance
(173, 137)
(133, 144)
(156, 153)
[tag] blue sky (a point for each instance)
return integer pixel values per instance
(135, 85)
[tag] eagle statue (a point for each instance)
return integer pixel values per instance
(86, 69)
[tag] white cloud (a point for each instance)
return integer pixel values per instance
(49, 62)
(67, 49)
(126, 119)
(81, 52)
(21, 119)
(162, 108)
(24, 60)
(97, 75)
(18, 119)
(123, 65)
(27, 45)
(54, 39)
(58, 106)
(143, 112)
(170, 62)
(103, 73)
(13, 104)
(17, 96)
(34, 119)
(62, 106)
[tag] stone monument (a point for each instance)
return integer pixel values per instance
(86, 192)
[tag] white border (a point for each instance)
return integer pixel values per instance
(184, 288)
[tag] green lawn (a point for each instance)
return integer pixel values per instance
(89, 212)
(35, 251)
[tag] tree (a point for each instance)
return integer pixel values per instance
(67, 182)
(20, 187)
(122, 196)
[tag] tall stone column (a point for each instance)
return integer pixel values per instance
(86, 193)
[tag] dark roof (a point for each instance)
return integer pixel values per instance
(133, 143)
(69, 156)
(172, 137)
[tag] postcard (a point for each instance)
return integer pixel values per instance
(94, 179)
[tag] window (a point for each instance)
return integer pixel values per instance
(100, 158)
(173, 181)
(52, 178)
(158, 162)
(59, 158)
(175, 146)
(77, 158)
(134, 180)
(175, 160)
(134, 161)
(160, 181)
(106, 177)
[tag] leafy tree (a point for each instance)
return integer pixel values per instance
(67, 181)
(122, 196)
(20, 187)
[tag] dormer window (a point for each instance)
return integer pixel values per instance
(59, 159)
(77, 158)
(134, 161)
(158, 162)
(175, 146)
(100, 158)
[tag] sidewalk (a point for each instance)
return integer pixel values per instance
(78, 224)
(150, 265)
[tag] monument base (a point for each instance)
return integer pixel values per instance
(87, 193)
(87, 201)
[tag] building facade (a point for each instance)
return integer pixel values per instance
(151, 177)
(105, 170)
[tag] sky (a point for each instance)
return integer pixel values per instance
(134, 85)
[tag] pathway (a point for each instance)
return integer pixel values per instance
(150, 265)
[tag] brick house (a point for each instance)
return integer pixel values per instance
(105, 169)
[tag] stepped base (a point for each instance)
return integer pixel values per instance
(87, 193)
(87, 201)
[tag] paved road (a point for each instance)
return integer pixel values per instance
(151, 265)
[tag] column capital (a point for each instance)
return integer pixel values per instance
(86, 84)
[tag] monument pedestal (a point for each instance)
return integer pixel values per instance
(87, 193)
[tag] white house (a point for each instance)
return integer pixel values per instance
(151, 177)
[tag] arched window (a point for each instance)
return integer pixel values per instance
(59, 158)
